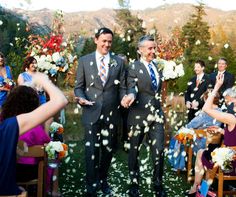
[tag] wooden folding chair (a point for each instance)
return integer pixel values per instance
(217, 173)
(35, 151)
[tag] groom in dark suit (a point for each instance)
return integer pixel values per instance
(145, 114)
(99, 88)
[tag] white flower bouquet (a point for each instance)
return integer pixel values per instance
(223, 157)
(170, 69)
(56, 127)
(56, 150)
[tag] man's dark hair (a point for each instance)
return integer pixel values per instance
(145, 38)
(103, 30)
(224, 59)
(201, 62)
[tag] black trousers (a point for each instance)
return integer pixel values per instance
(155, 137)
(100, 140)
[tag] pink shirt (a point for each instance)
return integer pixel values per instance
(36, 136)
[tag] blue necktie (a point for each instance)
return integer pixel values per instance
(153, 77)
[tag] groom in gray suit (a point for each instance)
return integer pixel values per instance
(145, 114)
(99, 88)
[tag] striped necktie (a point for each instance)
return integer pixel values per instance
(103, 71)
(197, 82)
(153, 77)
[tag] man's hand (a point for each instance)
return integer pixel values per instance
(127, 100)
(195, 104)
(219, 81)
(83, 101)
(188, 104)
(215, 129)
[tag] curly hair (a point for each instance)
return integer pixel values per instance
(2, 56)
(22, 99)
(27, 62)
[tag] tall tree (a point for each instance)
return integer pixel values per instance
(196, 32)
(131, 27)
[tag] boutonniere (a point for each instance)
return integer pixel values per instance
(112, 63)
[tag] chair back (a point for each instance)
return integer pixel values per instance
(39, 152)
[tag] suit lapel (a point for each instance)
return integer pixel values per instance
(145, 76)
(158, 78)
(202, 80)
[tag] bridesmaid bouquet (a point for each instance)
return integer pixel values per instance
(55, 131)
(8, 83)
(56, 150)
(184, 135)
(56, 128)
(223, 157)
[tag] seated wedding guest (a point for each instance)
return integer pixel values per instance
(13, 125)
(230, 99)
(201, 121)
(5, 74)
(29, 67)
(27, 167)
(203, 160)
(196, 88)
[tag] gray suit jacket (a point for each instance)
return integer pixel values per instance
(147, 106)
(106, 98)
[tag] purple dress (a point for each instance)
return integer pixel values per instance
(36, 136)
(229, 140)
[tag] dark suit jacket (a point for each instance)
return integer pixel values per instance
(147, 101)
(228, 81)
(107, 98)
(194, 93)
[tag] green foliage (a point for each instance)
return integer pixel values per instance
(118, 46)
(89, 46)
(132, 30)
(197, 34)
(13, 36)
(228, 53)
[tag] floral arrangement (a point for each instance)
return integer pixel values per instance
(55, 131)
(8, 83)
(53, 55)
(223, 157)
(184, 135)
(56, 127)
(170, 69)
(56, 150)
(170, 55)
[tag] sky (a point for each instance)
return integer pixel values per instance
(91, 5)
